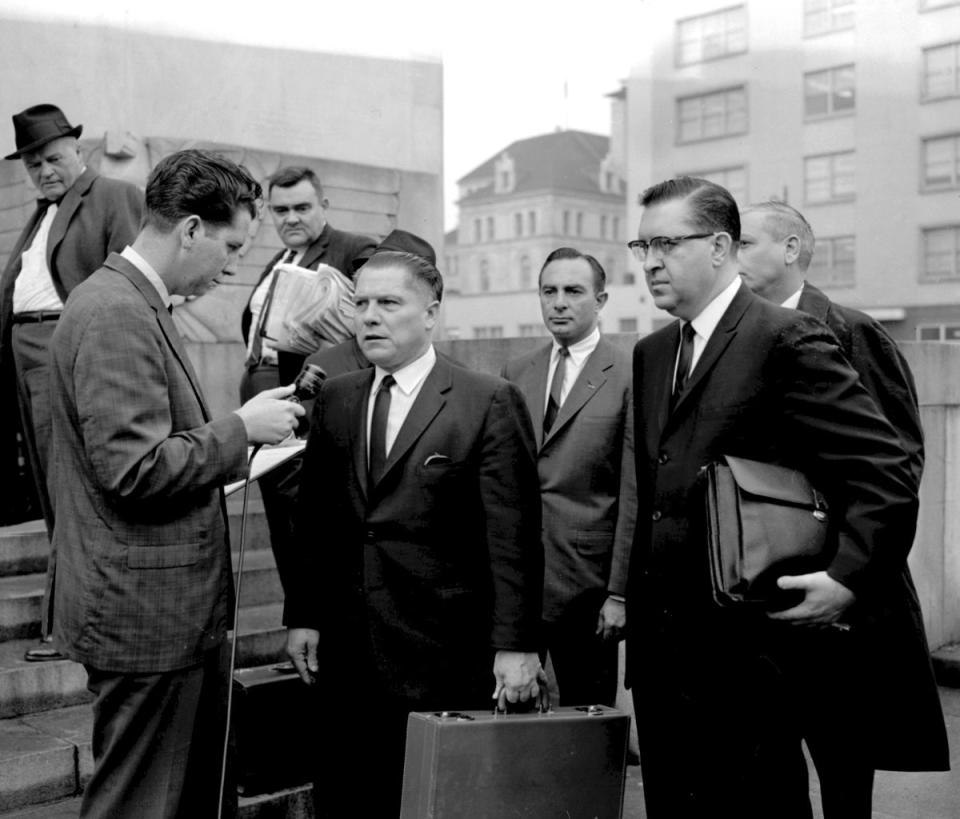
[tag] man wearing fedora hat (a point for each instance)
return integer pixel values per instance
(80, 218)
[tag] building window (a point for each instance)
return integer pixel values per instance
(566, 223)
(491, 233)
(711, 36)
(941, 71)
(490, 331)
(629, 277)
(526, 273)
(616, 228)
(938, 332)
(603, 226)
(477, 230)
(531, 330)
(829, 92)
(733, 179)
(941, 163)
(711, 116)
(825, 16)
(484, 277)
(627, 325)
(579, 224)
(609, 267)
(518, 224)
(532, 223)
(834, 262)
(829, 178)
(941, 254)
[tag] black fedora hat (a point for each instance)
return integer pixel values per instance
(407, 243)
(39, 124)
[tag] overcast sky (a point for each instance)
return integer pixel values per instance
(506, 64)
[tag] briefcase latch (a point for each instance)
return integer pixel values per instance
(457, 715)
(819, 506)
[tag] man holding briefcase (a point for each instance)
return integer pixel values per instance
(723, 697)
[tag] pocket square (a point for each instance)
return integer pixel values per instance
(437, 459)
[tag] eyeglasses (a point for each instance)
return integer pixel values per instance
(662, 245)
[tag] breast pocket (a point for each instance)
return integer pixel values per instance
(163, 557)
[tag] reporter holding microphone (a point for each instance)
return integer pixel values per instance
(144, 585)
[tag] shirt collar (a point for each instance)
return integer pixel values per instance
(710, 316)
(408, 378)
(793, 302)
(582, 348)
(146, 268)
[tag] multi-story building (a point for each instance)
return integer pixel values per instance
(847, 109)
(565, 188)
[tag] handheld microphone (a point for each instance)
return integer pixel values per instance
(308, 383)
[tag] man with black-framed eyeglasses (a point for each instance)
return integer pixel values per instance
(724, 698)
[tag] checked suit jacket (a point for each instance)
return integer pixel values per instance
(588, 484)
(144, 579)
(437, 565)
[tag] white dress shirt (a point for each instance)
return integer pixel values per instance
(793, 302)
(579, 353)
(402, 395)
(33, 289)
(705, 323)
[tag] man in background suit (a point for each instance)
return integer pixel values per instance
(80, 218)
(298, 207)
(419, 567)
(144, 588)
(588, 485)
(776, 246)
(723, 697)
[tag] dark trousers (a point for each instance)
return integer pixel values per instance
(721, 727)
(157, 743)
(279, 488)
(584, 664)
(31, 356)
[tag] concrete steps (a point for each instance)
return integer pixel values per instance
(45, 716)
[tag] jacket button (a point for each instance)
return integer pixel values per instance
(662, 458)
(370, 535)
(657, 515)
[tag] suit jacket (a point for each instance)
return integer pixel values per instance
(95, 217)
(588, 485)
(438, 564)
(882, 368)
(345, 251)
(144, 578)
(772, 385)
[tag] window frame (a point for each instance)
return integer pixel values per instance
(831, 94)
(700, 19)
(834, 197)
(704, 99)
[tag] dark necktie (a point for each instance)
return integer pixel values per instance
(378, 431)
(684, 362)
(256, 348)
(556, 389)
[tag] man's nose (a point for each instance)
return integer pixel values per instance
(652, 261)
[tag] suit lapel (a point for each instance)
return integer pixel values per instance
(724, 333)
(428, 404)
(66, 209)
(318, 249)
(592, 377)
(116, 262)
(533, 384)
(358, 430)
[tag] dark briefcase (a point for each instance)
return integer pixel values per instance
(267, 704)
(763, 521)
(568, 762)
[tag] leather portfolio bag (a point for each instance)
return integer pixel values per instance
(567, 762)
(763, 521)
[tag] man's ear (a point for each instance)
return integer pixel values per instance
(722, 246)
(190, 229)
(791, 249)
(602, 300)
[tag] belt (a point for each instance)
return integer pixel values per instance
(35, 316)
